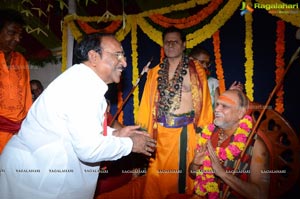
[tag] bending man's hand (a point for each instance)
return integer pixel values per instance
(142, 143)
(128, 131)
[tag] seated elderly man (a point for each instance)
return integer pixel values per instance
(219, 149)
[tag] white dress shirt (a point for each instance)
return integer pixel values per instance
(57, 151)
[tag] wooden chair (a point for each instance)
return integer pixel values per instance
(284, 148)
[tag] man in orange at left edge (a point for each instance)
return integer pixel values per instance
(15, 94)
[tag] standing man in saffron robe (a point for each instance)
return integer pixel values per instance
(175, 106)
(15, 94)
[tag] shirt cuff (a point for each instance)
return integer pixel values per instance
(128, 144)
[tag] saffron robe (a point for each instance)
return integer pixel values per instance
(15, 95)
(163, 172)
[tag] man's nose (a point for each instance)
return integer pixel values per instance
(124, 62)
(17, 37)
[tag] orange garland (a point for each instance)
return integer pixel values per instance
(114, 25)
(219, 71)
(162, 54)
(189, 21)
(280, 49)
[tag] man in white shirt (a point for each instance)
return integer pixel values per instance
(57, 151)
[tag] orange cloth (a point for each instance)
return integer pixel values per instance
(158, 184)
(15, 93)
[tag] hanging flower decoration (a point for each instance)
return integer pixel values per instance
(215, 24)
(111, 28)
(154, 34)
(280, 49)
(205, 179)
(249, 56)
(189, 21)
(218, 61)
(135, 73)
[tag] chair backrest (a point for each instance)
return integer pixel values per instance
(284, 148)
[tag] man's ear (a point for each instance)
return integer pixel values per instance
(242, 112)
(93, 55)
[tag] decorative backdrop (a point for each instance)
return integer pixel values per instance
(253, 47)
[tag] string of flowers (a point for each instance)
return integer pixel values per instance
(112, 27)
(64, 47)
(154, 34)
(171, 8)
(218, 61)
(291, 17)
(249, 55)
(187, 22)
(205, 179)
(280, 49)
(135, 72)
(123, 32)
(75, 31)
(215, 24)
(162, 54)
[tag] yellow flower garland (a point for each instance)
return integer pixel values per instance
(205, 178)
(216, 23)
(135, 72)
(249, 56)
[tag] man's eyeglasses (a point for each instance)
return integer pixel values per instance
(118, 55)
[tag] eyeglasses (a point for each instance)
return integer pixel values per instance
(119, 55)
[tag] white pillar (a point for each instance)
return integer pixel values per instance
(70, 47)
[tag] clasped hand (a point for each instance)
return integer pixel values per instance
(200, 154)
(142, 142)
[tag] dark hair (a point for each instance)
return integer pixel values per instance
(10, 16)
(174, 29)
(198, 49)
(37, 83)
(89, 42)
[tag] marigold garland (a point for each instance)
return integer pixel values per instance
(171, 8)
(249, 56)
(205, 178)
(280, 49)
(215, 24)
(135, 73)
(64, 47)
(122, 33)
(75, 31)
(192, 39)
(189, 21)
(154, 34)
(111, 28)
(218, 61)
